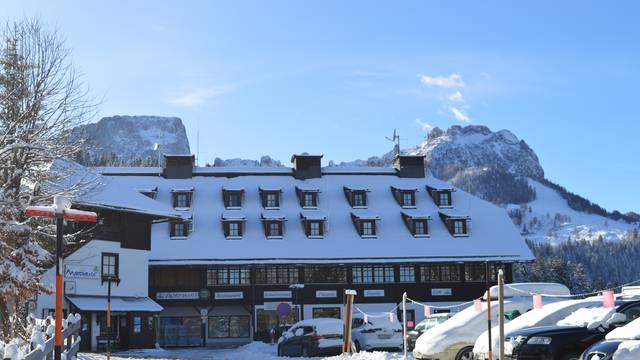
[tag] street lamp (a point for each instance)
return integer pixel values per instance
(295, 288)
(61, 210)
(109, 279)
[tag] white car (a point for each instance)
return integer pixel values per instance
(379, 332)
(549, 314)
(454, 339)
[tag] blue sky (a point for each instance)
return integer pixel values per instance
(336, 77)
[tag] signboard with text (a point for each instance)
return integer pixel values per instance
(81, 272)
(187, 295)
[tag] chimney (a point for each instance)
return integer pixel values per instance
(178, 166)
(410, 166)
(306, 166)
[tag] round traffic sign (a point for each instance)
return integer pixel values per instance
(283, 309)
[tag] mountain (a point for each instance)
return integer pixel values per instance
(503, 169)
(130, 140)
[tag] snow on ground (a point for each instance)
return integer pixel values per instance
(628, 350)
(252, 351)
(552, 220)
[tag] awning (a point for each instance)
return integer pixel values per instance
(99, 303)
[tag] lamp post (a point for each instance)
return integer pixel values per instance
(109, 279)
(295, 288)
(61, 210)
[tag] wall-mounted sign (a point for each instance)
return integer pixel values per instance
(204, 294)
(441, 292)
(283, 309)
(374, 293)
(326, 293)
(277, 294)
(188, 295)
(70, 287)
(81, 272)
(228, 295)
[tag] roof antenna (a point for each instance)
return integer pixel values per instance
(395, 139)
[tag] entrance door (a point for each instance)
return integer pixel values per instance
(123, 331)
(85, 332)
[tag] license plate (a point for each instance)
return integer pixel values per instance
(384, 336)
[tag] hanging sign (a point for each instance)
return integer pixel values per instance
(277, 294)
(441, 292)
(187, 295)
(608, 300)
(326, 293)
(228, 295)
(537, 301)
(374, 293)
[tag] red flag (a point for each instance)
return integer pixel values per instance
(366, 318)
(427, 311)
(477, 303)
(608, 300)
(391, 317)
(537, 301)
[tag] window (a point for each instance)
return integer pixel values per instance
(181, 229)
(359, 199)
(234, 199)
(459, 227)
(137, 324)
(420, 227)
(367, 227)
(277, 275)
(232, 229)
(407, 274)
(374, 274)
(408, 199)
(325, 312)
(270, 198)
(440, 273)
(110, 266)
(274, 229)
(182, 199)
(444, 198)
(149, 193)
(231, 276)
(477, 272)
(325, 275)
(233, 326)
(308, 200)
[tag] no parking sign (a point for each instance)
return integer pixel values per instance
(283, 309)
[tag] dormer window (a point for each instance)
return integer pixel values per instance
(273, 225)
(150, 193)
(417, 223)
(180, 229)
(270, 198)
(308, 197)
(313, 222)
(357, 196)
(406, 197)
(442, 197)
(233, 225)
(456, 223)
(232, 197)
(182, 198)
(365, 224)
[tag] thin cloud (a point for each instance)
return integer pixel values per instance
(459, 114)
(456, 97)
(424, 125)
(453, 80)
(199, 96)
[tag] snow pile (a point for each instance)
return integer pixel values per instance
(592, 318)
(628, 350)
(380, 321)
(631, 331)
(549, 315)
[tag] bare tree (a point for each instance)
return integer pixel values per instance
(42, 98)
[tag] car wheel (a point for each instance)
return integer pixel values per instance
(465, 354)
(305, 352)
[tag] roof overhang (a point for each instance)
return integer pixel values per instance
(99, 303)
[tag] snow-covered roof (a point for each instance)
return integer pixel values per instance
(306, 188)
(403, 188)
(233, 215)
(356, 188)
(416, 214)
(593, 317)
(364, 214)
(273, 215)
(183, 189)
(313, 215)
(454, 214)
(269, 189)
(99, 303)
(232, 188)
(494, 237)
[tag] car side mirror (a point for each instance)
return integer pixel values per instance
(299, 332)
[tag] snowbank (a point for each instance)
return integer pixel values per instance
(631, 331)
(628, 350)
(323, 326)
(592, 318)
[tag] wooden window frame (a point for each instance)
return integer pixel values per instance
(188, 199)
(116, 266)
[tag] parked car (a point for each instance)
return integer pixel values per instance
(378, 333)
(571, 336)
(314, 337)
(454, 339)
(549, 314)
(424, 325)
(604, 350)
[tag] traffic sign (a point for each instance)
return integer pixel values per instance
(283, 309)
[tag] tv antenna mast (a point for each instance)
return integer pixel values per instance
(395, 139)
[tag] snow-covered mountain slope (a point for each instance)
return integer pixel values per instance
(548, 218)
(129, 140)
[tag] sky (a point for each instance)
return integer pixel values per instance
(336, 77)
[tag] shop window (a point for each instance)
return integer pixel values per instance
(325, 275)
(268, 320)
(277, 275)
(180, 331)
(326, 312)
(137, 324)
(375, 274)
(477, 272)
(228, 276)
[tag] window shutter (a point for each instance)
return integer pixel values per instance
(189, 199)
(321, 227)
(240, 230)
(373, 227)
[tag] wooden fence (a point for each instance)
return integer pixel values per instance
(70, 345)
